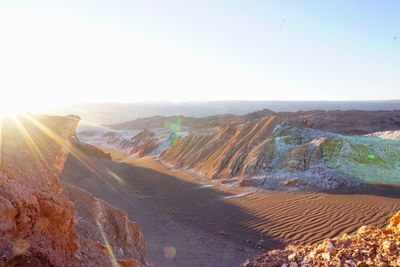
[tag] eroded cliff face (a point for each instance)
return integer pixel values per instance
(143, 143)
(274, 154)
(370, 246)
(38, 221)
(233, 150)
(312, 150)
(105, 230)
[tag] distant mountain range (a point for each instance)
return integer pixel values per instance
(111, 113)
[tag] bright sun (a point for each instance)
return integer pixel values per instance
(12, 104)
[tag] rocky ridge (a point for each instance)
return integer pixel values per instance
(370, 246)
(340, 121)
(309, 150)
(274, 154)
(46, 223)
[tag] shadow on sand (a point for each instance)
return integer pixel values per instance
(171, 211)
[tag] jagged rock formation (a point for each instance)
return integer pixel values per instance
(120, 239)
(132, 143)
(370, 246)
(231, 151)
(143, 143)
(38, 222)
(274, 154)
(290, 150)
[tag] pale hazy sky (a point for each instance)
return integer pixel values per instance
(61, 52)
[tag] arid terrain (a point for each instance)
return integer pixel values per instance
(44, 222)
(218, 226)
(248, 183)
(219, 194)
(201, 133)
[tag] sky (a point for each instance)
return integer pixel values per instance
(64, 52)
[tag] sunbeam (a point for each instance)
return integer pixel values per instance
(33, 147)
(112, 258)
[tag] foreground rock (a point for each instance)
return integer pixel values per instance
(370, 246)
(38, 221)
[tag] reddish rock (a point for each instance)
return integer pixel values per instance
(370, 246)
(234, 150)
(38, 223)
(143, 143)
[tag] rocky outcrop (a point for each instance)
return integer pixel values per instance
(34, 149)
(309, 150)
(131, 143)
(370, 246)
(102, 226)
(39, 225)
(231, 151)
(143, 143)
(274, 154)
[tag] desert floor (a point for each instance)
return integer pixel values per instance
(187, 221)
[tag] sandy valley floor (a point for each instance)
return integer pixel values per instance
(188, 224)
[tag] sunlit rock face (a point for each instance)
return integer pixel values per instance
(36, 146)
(108, 228)
(233, 150)
(276, 154)
(38, 223)
(311, 150)
(143, 143)
(370, 246)
(132, 143)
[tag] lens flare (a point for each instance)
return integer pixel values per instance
(174, 127)
(170, 252)
(116, 177)
(110, 252)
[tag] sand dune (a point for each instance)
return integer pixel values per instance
(307, 218)
(213, 226)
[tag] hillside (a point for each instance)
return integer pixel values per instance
(338, 121)
(274, 155)
(313, 150)
(47, 223)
